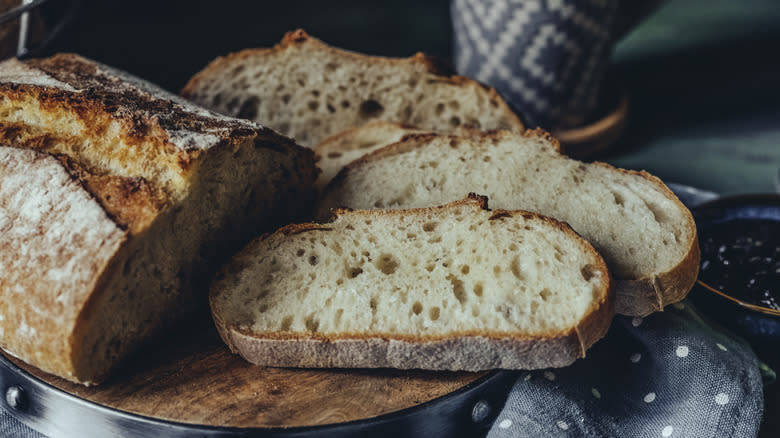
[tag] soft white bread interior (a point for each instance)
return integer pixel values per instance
(309, 90)
(118, 202)
(645, 234)
(456, 287)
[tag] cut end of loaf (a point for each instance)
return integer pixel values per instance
(416, 280)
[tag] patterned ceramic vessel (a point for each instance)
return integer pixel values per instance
(546, 57)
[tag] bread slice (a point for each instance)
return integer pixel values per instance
(309, 90)
(456, 287)
(338, 150)
(118, 200)
(646, 235)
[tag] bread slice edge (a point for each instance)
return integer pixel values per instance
(464, 351)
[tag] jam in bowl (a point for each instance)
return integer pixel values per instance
(739, 276)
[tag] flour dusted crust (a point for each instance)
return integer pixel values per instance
(49, 221)
(145, 107)
(118, 199)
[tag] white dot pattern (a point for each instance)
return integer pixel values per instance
(679, 357)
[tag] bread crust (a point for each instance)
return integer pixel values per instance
(643, 296)
(466, 350)
(95, 92)
(51, 271)
(634, 296)
(86, 241)
(299, 38)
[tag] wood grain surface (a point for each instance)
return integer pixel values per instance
(193, 378)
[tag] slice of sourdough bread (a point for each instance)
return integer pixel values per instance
(309, 90)
(117, 200)
(645, 234)
(456, 287)
(338, 150)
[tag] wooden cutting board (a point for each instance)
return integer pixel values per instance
(193, 378)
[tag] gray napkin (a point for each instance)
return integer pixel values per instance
(668, 375)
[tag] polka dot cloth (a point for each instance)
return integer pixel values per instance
(666, 375)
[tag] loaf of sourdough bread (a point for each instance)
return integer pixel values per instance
(455, 287)
(309, 90)
(646, 235)
(117, 199)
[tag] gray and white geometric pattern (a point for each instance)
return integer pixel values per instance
(546, 57)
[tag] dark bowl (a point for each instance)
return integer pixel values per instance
(758, 324)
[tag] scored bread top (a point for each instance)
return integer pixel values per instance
(309, 90)
(147, 109)
(110, 121)
(645, 234)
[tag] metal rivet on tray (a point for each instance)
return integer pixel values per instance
(16, 398)
(480, 412)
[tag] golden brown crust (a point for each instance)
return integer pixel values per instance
(299, 37)
(644, 296)
(474, 349)
(132, 128)
(101, 96)
(132, 202)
